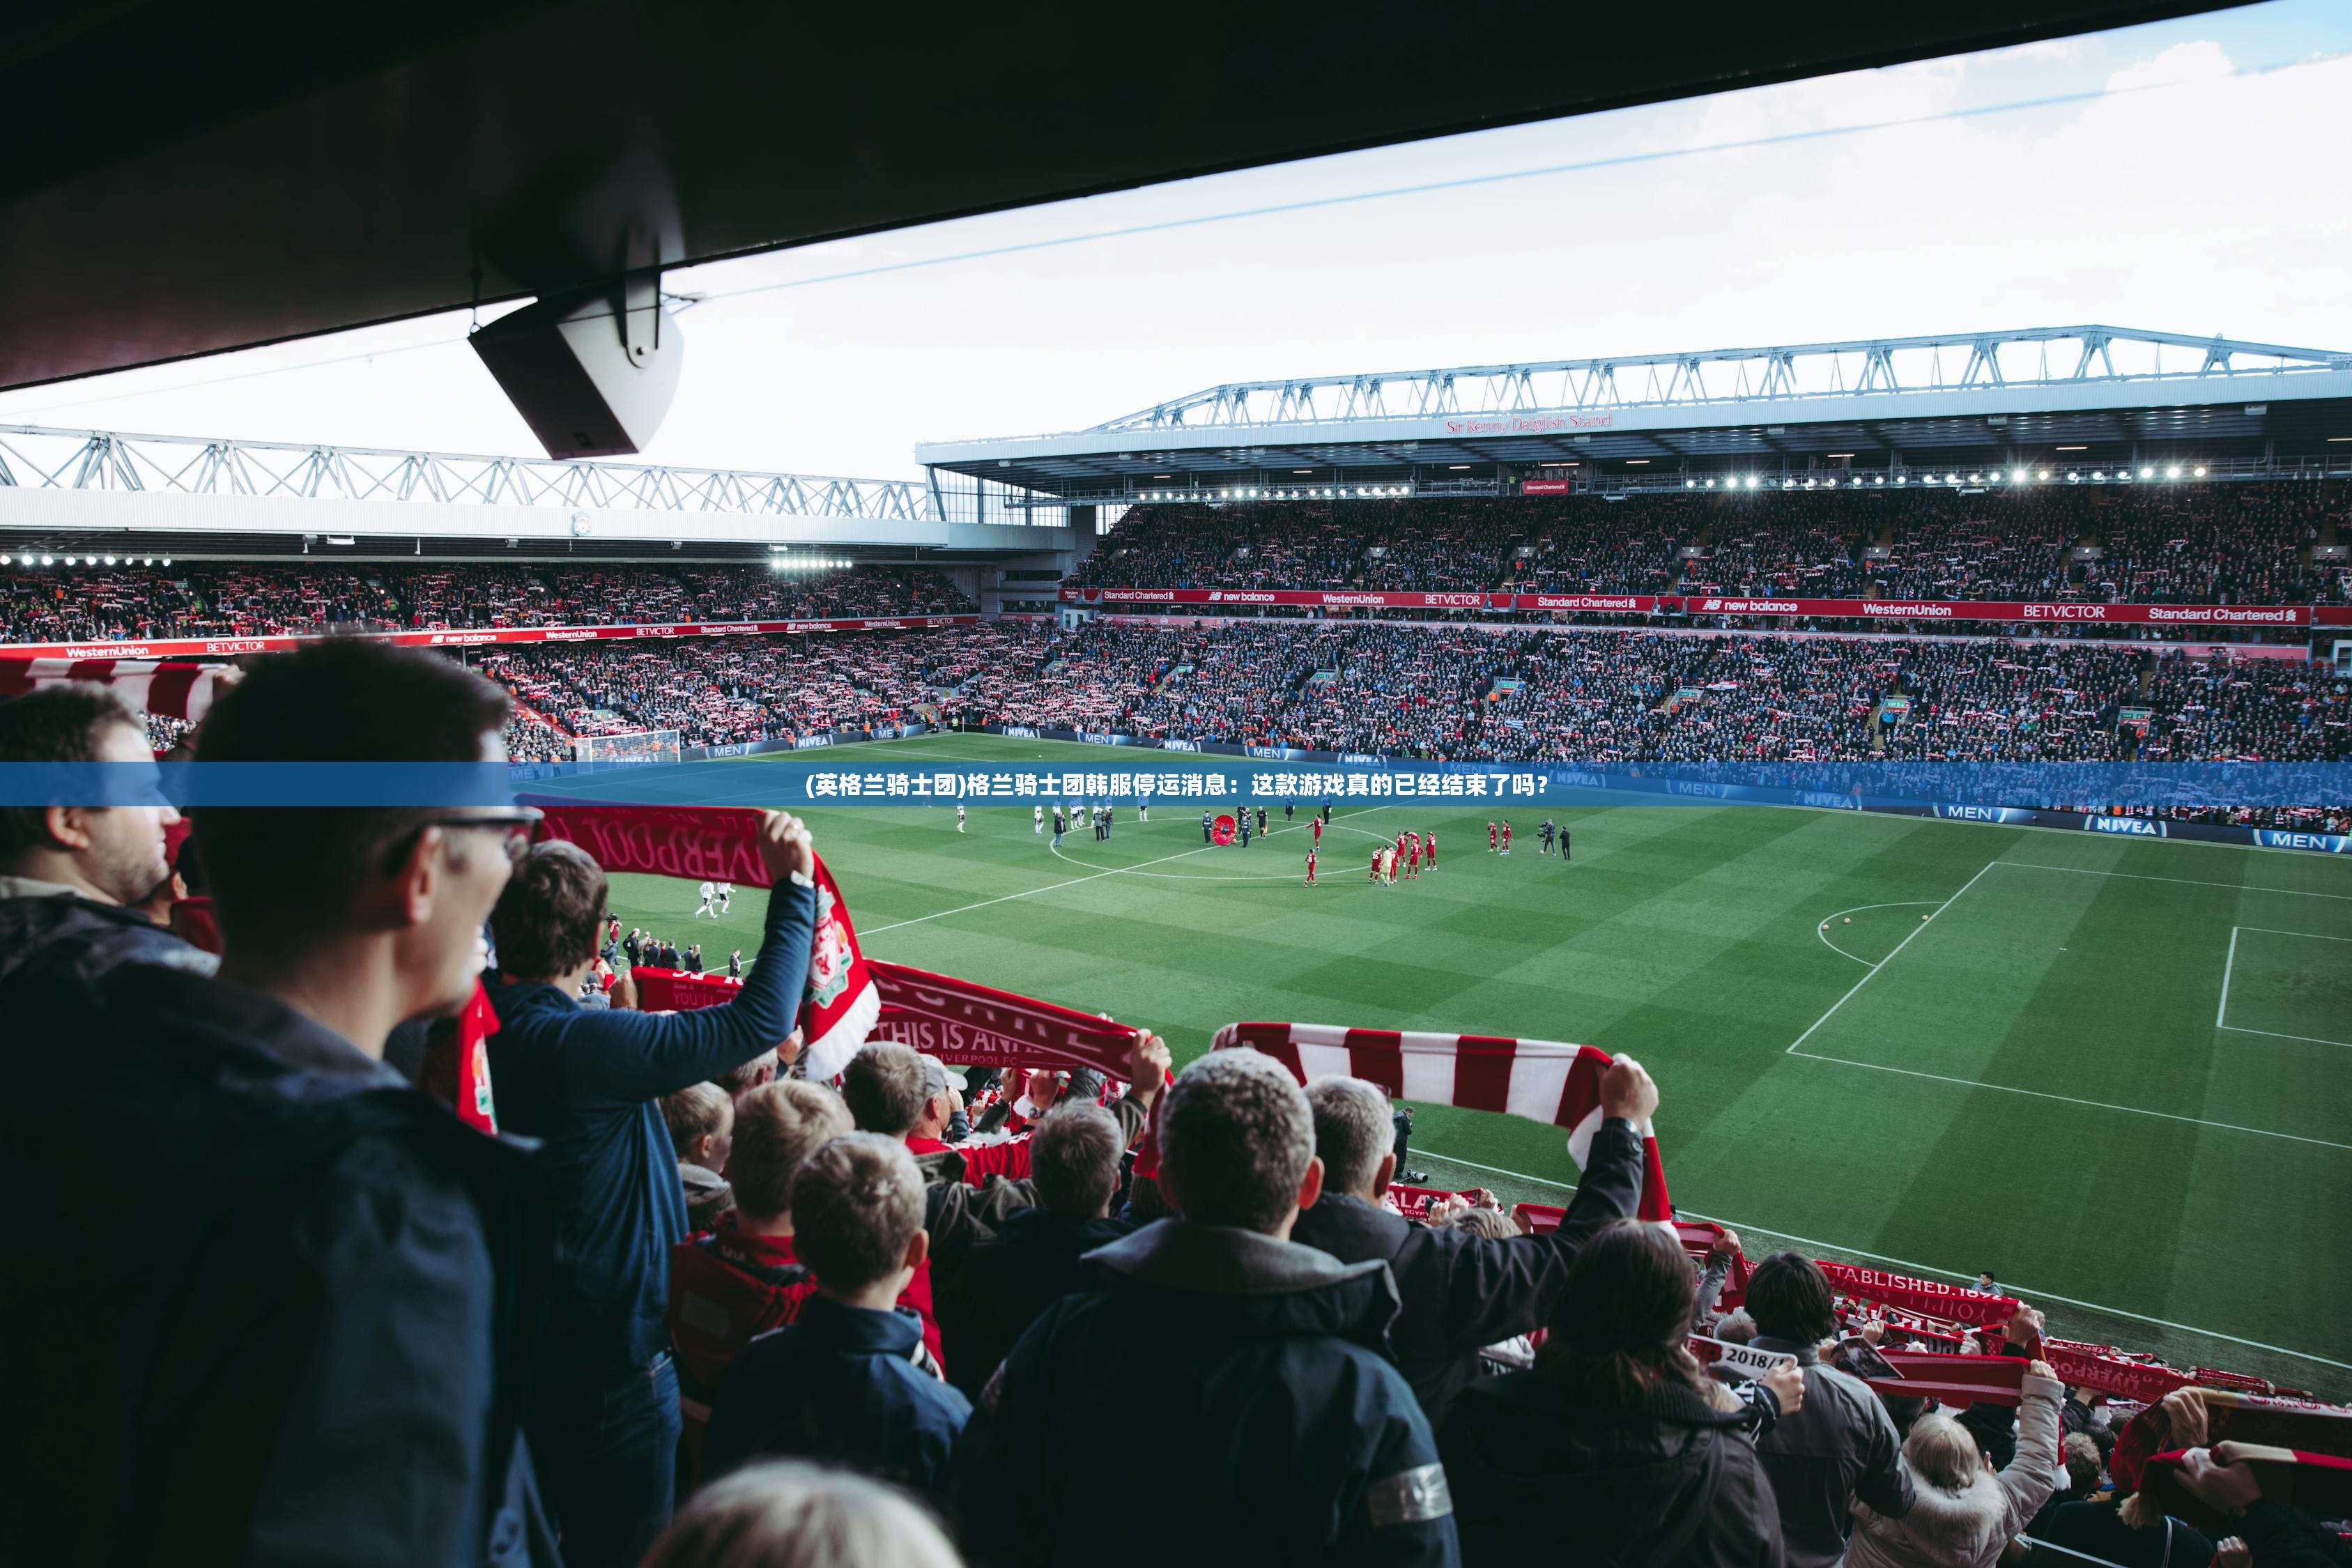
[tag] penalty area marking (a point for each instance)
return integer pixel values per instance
(1823, 931)
(2008, 1089)
(2229, 967)
(2023, 1293)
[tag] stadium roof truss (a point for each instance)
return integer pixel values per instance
(228, 497)
(2109, 389)
(35, 458)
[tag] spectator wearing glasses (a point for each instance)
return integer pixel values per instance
(604, 1417)
(319, 1358)
(72, 877)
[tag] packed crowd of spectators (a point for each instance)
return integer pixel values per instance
(1626, 696)
(738, 1293)
(1543, 694)
(727, 691)
(2162, 543)
(201, 600)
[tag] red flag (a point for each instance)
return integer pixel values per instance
(1542, 1080)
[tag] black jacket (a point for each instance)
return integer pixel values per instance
(1461, 1292)
(1539, 1476)
(302, 1340)
(1840, 1445)
(1004, 1283)
(1250, 1373)
(66, 936)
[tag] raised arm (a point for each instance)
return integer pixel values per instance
(640, 1056)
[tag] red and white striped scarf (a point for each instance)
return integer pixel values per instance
(1542, 1080)
(168, 688)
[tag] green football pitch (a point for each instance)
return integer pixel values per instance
(2117, 1073)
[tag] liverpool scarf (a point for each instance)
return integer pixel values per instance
(167, 688)
(722, 844)
(1949, 1302)
(1540, 1080)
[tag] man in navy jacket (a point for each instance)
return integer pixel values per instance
(313, 1351)
(603, 1415)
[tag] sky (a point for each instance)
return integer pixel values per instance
(2184, 176)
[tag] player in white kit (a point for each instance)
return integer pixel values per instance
(1037, 816)
(959, 816)
(709, 891)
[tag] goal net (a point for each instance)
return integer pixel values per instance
(646, 748)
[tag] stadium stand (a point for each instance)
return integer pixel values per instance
(50, 605)
(2174, 544)
(1595, 1308)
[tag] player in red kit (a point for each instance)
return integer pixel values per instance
(1506, 836)
(1413, 857)
(1430, 844)
(1317, 823)
(1490, 838)
(1376, 861)
(1310, 870)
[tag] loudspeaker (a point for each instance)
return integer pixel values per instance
(592, 373)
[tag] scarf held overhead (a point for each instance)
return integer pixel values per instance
(839, 1002)
(1542, 1080)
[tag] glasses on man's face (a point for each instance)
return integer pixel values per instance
(516, 827)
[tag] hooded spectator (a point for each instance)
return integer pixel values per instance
(1460, 1291)
(1616, 1441)
(604, 1417)
(350, 1272)
(1255, 1364)
(1840, 1444)
(72, 878)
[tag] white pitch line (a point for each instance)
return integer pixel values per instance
(2185, 881)
(2274, 1034)
(1051, 887)
(1883, 962)
(1823, 931)
(2071, 1100)
(2023, 1293)
(2222, 1009)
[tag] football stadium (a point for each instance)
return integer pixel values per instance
(1746, 952)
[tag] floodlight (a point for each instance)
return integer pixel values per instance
(48, 560)
(2173, 472)
(2201, 470)
(2098, 473)
(2073, 477)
